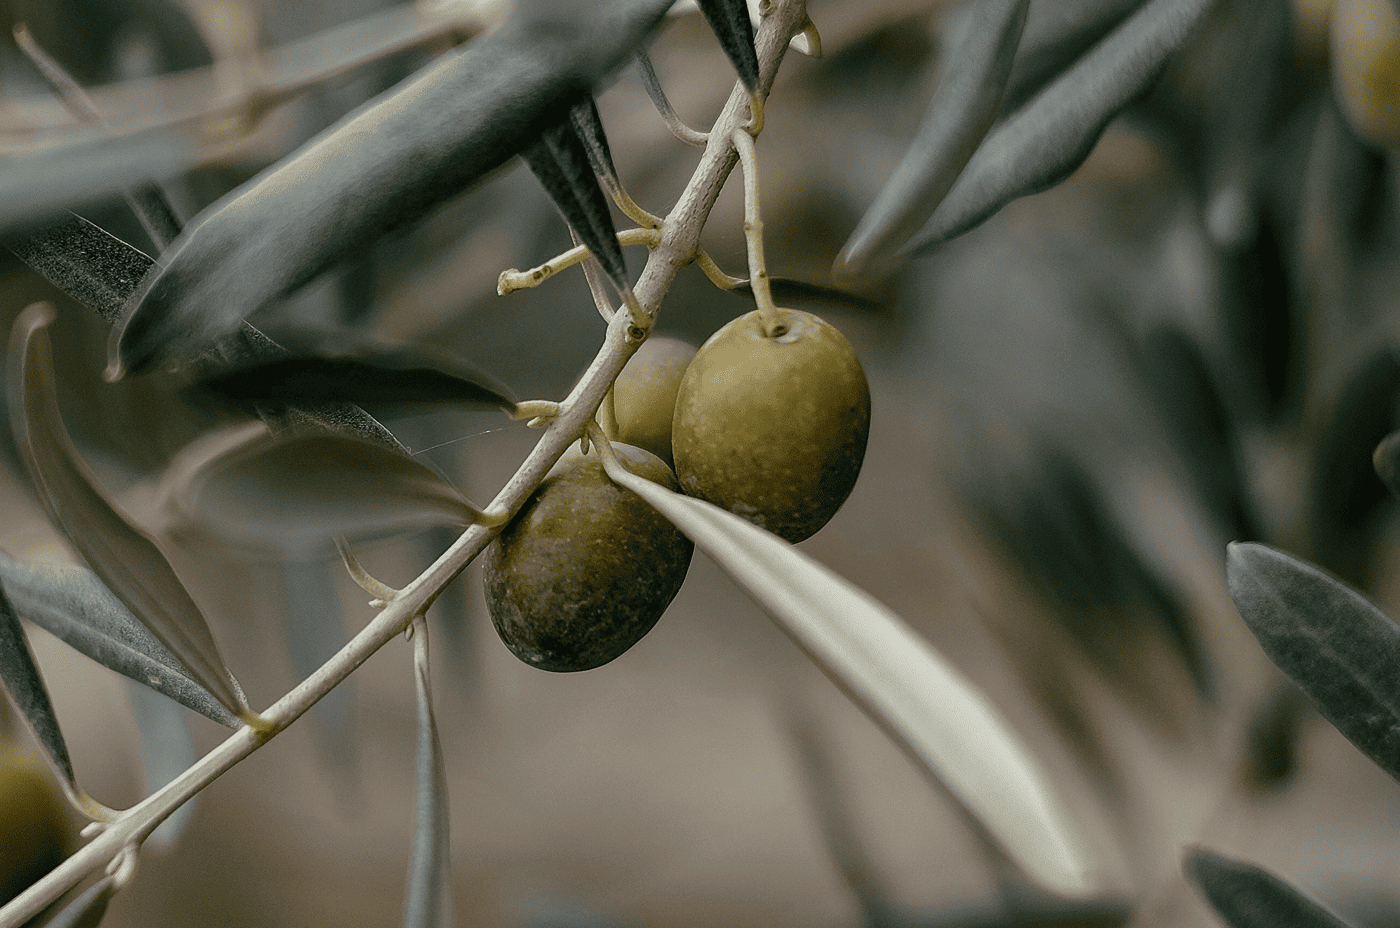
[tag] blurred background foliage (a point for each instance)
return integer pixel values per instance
(1188, 342)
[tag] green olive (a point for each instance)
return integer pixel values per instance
(586, 568)
(1366, 68)
(33, 829)
(644, 394)
(772, 425)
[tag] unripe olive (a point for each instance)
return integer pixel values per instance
(772, 425)
(1366, 68)
(33, 829)
(644, 394)
(586, 568)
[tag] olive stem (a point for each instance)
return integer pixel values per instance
(677, 245)
(512, 279)
(769, 316)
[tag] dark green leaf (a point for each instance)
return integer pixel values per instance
(730, 21)
(385, 376)
(959, 115)
(789, 292)
(101, 271)
(1045, 140)
(1331, 640)
(588, 126)
(1056, 35)
(123, 557)
(562, 163)
(428, 903)
(393, 161)
(22, 682)
(71, 604)
(1246, 896)
(294, 493)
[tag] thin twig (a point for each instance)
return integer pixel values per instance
(663, 106)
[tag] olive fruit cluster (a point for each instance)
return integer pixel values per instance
(768, 419)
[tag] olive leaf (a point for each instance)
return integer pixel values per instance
(563, 164)
(294, 493)
(732, 26)
(87, 169)
(1331, 640)
(126, 559)
(71, 604)
(1057, 35)
(961, 112)
(101, 271)
(588, 127)
(428, 903)
(789, 292)
(1045, 140)
(394, 160)
(375, 376)
(310, 607)
(921, 700)
(1246, 896)
(88, 910)
(167, 750)
(24, 685)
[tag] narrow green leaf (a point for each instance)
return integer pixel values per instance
(732, 26)
(1045, 140)
(88, 910)
(562, 163)
(1246, 896)
(925, 703)
(1056, 35)
(394, 160)
(123, 557)
(1341, 649)
(22, 682)
(167, 750)
(428, 903)
(588, 126)
(101, 271)
(961, 112)
(71, 604)
(294, 493)
(385, 376)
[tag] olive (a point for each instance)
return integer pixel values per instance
(33, 829)
(771, 421)
(586, 568)
(1366, 68)
(644, 395)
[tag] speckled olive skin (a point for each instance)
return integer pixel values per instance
(644, 394)
(773, 428)
(586, 568)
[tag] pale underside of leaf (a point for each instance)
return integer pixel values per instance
(127, 561)
(961, 112)
(428, 902)
(928, 706)
(1045, 140)
(295, 493)
(22, 682)
(1246, 896)
(1336, 645)
(71, 604)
